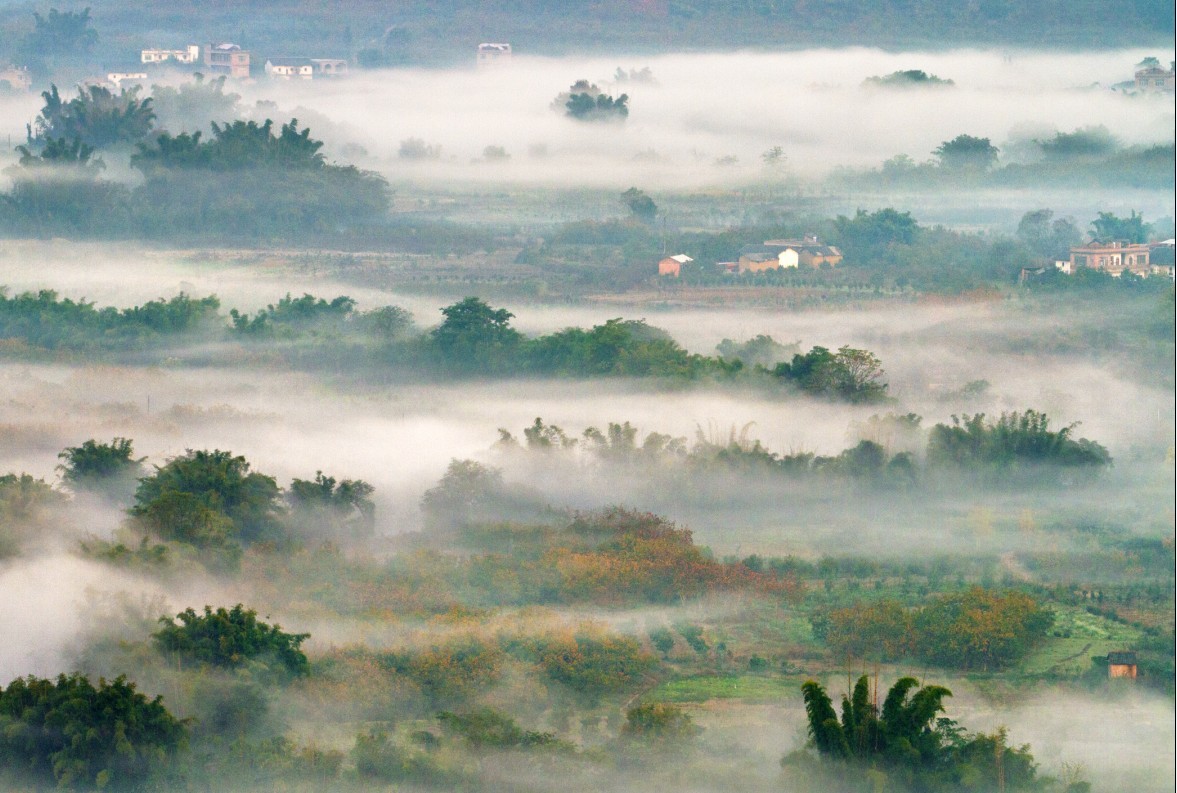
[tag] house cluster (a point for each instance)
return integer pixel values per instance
(771, 255)
(1116, 258)
(15, 78)
(1155, 80)
(229, 60)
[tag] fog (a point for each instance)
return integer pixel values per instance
(706, 107)
(701, 109)
(702, 125)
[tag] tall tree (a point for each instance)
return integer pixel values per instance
(966, 153)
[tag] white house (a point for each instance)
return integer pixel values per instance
(290, 68)
(189, 55)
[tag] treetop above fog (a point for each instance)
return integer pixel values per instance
(230, 638)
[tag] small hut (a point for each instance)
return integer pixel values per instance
(1122, 664)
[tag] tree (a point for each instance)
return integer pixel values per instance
(980, 629)
(216, 490)
(100, 466)
(850, 374)
(910, 78)
(71, 734)
(61, 33)
(26, 510)
(584, 101)
(640, 205)
(1109, 228)
(1085, 143)
(1017, 443)
(1050, 240)
(230, 638)
(907, 740)
(875, 235)
(474, 336)
(773, 157)
(96, 116)
(190, 105)
(659, 723)
(67, 156)
(966, 153)
(487, 728)
(336, 509)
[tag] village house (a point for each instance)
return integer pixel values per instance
(189, 56)
(492, 54)
(672, 265)
(16, 77)
(227, 59)
(1112, 257)
(787, 253)
(290, 68)
(1122, 665)
(329, 67)
(125, 77)
(1155, 80)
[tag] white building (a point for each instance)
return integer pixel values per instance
(189, 55)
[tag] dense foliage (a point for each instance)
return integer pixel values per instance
(906, 743)
(230, 638)
(1016, 444)
(45, 320)
(976, 629)
(100, 466)
(208, 498)
(74, 735)
(247, 180)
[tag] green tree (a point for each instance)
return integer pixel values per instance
(1109, 228)
(61, 33)
(27, 507)
(907, 742)
(72, 734)
(210, 484)
(875, 235)
(980, 629)
(475, 337)
(1082, 144)
(336, 509)
(849, 374)
(107, 467)
(1050, 239)
(230, 638)
(966, 153)
(1018, 443)
(97, 117)
(659, 723)
(640, 205)
(487, 728)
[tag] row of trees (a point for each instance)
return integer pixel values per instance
(1017, 447)
(247, 180)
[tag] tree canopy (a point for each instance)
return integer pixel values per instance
(230, 638)
(97, 116)
(100, 466)
(205, 498)
(72, 734)
(966, 153)
(907, 742)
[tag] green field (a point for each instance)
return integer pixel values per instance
(705, 687)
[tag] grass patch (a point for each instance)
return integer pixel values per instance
(1077, 636)
(705, 687)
